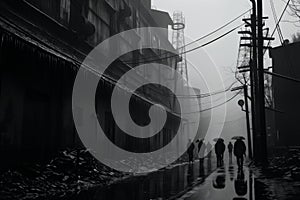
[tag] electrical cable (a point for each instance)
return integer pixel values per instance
(203, 37)
(276, 21)
(218, 29)
(216, 106)
(188, 51)
(269, 43)
(204, 95)
(222, 103)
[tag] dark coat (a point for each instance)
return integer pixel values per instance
(219, 148)
(191, 149)
(239, 148)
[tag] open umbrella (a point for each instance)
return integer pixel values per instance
(217, 139)
(238, 138)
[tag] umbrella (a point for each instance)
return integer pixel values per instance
(217, 139)
(238, 138)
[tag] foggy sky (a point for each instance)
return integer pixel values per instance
(204, 16)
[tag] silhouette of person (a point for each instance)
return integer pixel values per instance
(190, 151)
(240, 184)
(201, 150)
(208, 155)
(230, 147)
(239, 152)
(219, 150)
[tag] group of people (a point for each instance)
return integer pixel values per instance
(201, 148)
(238, 149)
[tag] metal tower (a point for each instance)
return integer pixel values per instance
(178, 41)
(243, 61)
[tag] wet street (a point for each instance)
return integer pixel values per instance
(226, 182)
(168, 183)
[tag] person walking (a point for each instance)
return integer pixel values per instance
(219, 150)
(208, 150)
(239, 152)
(201, 151)
(190, 150)
(230, 148)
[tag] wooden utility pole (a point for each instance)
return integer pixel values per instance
(253, 75)
(256, 68)
(260, 137)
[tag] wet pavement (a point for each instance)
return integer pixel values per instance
(164, 184)
(200, 180)
(227, 182)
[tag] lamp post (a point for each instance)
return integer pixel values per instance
(246, 110)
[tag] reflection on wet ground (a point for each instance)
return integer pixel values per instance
(158, 185)
(197, 181)
(227, 182)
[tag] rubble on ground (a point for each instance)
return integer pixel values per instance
(66, 174)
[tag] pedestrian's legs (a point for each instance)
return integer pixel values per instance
(242, 161)
(238, 161)
(222, 159)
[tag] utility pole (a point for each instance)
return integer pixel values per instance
(253, 74)
(256, 68)
(247, 120)
(261, 140)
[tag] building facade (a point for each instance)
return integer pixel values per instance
(42, 45)
(286, 61)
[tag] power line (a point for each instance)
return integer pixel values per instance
(282, 76)
(188, 51)
(204, 95)
(218, 29)
(287, 4)
(222, 103)
(216, 106)
(203, 37)
(276, 21)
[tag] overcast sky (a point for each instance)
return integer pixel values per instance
(204, 16)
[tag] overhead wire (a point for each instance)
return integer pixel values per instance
(187, 51)
(276, 20)
(218, 29)
(203, 37)
(216, 106)
(204, 95)
(286, 6)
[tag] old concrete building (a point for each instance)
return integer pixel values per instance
(42, 45)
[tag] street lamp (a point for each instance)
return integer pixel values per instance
(241, 103)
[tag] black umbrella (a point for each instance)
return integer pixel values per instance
(217, 139)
